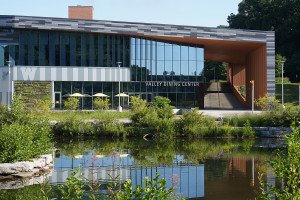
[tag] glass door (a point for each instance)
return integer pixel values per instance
(57, 100)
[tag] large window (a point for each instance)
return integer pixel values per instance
(50, 48)
(155, 60)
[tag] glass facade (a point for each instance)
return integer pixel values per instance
(50, 48)
(152, 61)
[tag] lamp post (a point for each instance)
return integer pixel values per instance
(9, 84)
(252, 95)
(119, 66)
(282, 93)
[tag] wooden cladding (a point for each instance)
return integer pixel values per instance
(256, 69)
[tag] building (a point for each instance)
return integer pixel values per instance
(61, 56)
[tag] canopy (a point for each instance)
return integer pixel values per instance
(122, 95)
(76, 95)
(100, 95)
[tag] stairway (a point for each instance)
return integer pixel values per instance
(220, 96)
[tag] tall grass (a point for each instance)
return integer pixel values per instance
(88, 115)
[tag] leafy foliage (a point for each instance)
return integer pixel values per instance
(267, 103)
(287, 169)
(215, 70)
(279, 59)
(101, 104)
(71, 103)
(157, 118)
(77, 188)
(22, 135)
(192, 123)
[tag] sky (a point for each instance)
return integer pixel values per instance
(209, 13)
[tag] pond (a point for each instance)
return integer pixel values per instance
(198, 169)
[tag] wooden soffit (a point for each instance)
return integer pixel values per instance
(218, 50)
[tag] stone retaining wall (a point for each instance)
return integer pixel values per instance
(273, 132)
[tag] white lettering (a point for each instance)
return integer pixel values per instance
(28, 73)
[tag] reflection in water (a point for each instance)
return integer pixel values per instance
(188, 178)
(200, 169)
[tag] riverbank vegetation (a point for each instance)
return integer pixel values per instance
(158, 121)
(286, 168)
(23, 136)
(87, 115)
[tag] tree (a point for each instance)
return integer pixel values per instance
(281, 16)
(215, 70)
(279, 59)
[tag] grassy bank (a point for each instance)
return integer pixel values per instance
(291, 93)
(158, 121)
(87, 115)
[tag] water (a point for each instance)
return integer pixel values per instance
(199, 169)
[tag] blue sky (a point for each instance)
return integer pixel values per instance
(186, 12)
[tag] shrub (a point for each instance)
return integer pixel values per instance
(111, 128)
(71, 103)
(77, 187)
(158, 118)
(242, 90)
(267, 103)
(247, 131)
(101, 104)
(162, 107)
(19, 142)
(287, 169)
(137, 104)
(74, 127)
(42, 106)
(192, 123)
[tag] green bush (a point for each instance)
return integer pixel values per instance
(101, 104)
(19, 142)
(111, 128)
(267, 103)
(192, 124)
(247, 131)
(286, 80)
(77, 187)
(162, 107)
(23, 135)
(74, 127)
(137, 104)
(71, 103)
(242, 90)
(156, 119)
(286, 167)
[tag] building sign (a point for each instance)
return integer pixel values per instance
(172, 84)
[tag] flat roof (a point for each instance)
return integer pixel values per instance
(229, 45)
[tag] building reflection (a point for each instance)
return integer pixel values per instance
(233, 178)
(187, 178)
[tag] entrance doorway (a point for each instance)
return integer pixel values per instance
(147, 96)
(57, 100)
